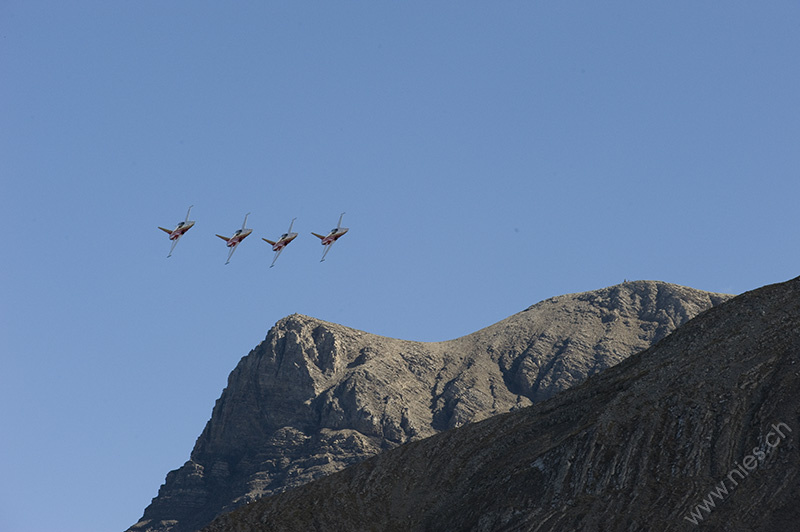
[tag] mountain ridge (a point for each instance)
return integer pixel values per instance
(315, 397)
(699, 431)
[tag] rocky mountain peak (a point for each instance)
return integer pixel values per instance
(315, 397)
(699, 431)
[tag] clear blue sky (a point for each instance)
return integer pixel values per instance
(488, 155)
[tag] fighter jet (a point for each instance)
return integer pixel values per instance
(335, 234)
(179, 231)
(282, 242)
(237, 237)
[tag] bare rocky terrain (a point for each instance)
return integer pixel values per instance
(316, 397)
(699, 432)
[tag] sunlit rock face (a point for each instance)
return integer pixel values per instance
(699, 432)
(315, 397)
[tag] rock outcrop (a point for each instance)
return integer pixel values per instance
(315, 397)
(699, 432)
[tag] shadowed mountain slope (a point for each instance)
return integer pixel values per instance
(315, 397)
(699, 432)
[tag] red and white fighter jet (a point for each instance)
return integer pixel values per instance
(237, 237)
(335, 234)
(179, 230)
(282, 242)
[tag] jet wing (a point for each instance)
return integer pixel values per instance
(277, 254)
(327, 249)
(233, 248)
(172, 248)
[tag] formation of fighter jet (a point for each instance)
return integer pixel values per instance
(335, 234)
(237, 238)
(179, 230)
(277, 246)
(282, 242)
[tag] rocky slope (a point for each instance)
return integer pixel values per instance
(699, 432)
(315, 397)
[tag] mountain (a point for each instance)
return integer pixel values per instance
(315, 397)
(699, 432)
